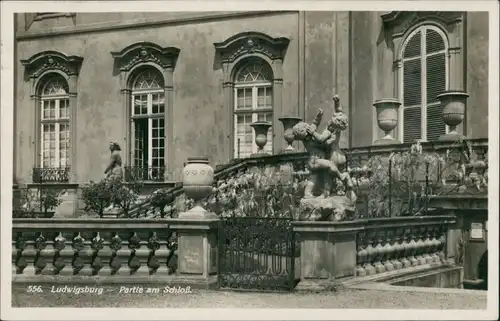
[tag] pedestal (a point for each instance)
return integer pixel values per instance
(386, 141)
(197, 252)
(327, 252)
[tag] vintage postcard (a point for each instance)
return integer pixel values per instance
(231, 160)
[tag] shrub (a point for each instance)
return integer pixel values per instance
(125, 195)
(35, 203)
(97, 196)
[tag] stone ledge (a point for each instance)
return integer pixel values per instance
(141, 23)
(195, 282)
(398, 288)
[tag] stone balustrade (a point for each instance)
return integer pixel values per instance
(98, 247)
(403, 243)
(366, 247)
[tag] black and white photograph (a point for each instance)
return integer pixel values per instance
(232, 160)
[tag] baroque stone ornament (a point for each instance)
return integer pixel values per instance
(261, 128)
(252, 42)
(288, 123)
(197, 180)
(329, 193)
(52, 60)
(453, 103)
(401, 21)
(387, 119)
(145, 52)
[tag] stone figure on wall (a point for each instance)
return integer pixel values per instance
(114, 170)
(326, 165)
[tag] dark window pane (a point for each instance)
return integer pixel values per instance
(412, 124)
(436, 76)
(435, 124)
(412, 82)
(413, 46)
(433, 41)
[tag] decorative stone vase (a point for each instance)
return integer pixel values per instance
(288, 123)
(453, 103)
(387, 119)
(197, 180)
(261, 128)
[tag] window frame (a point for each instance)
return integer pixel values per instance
(423, 77)
(57, 121)
(254, 110)
(150, 116)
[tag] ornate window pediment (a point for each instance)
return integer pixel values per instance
(249, 43)
(399, 22)
(44, 61)
(144, 52)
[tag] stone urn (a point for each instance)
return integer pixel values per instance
(288, 123)
(387, 119)
(261, 128)
(453, 104)
(197, 180)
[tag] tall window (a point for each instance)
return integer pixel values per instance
(148, 116)
(55, 134)
(253, 102)
(425, 76)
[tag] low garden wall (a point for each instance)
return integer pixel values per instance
(174, 250)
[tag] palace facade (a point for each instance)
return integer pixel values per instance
(167, 86)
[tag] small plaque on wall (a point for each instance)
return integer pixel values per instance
(476, 231)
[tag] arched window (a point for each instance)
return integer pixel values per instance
(55, 119)
(253, 92)
(148, 120)
(424, 77)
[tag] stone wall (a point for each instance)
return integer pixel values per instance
(329, 52)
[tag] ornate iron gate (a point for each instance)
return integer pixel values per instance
(257, 254)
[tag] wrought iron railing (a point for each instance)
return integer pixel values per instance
(51, 175)
(403, 176)
(143, 173)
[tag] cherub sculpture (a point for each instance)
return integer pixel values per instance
(326, 162)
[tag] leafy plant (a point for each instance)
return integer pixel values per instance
(33, 203)
(97, 196)
(160, 199)
(125, 195)
(269, 191)
(399, 184)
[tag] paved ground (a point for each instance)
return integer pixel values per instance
(350, 298)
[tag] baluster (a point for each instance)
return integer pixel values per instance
(115, 245)
(134, 243)
(97, 244)
(20, 245)
(39, 262)
(370, 254)
(58, 260)
(398, 250)
(77, 262)
(389, 251)
(412, 247)
(406, 248)
(380, 252)
(153, 246)
(435, 245)
(172, 246)
(420, 247)
(428, 246)
(442, 245)
(361, 255)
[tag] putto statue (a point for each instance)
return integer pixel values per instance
(114, 171)
(322, 200)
